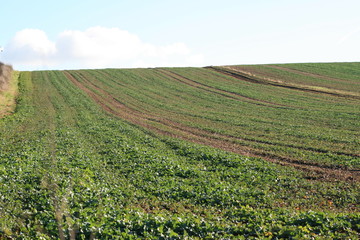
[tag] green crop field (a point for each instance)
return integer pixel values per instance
(233, 152)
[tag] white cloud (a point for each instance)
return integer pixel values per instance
(96, 47)
(30, 47)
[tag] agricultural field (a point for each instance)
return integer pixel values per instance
(205, 106)
(182, 153)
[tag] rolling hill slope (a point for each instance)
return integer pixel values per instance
(128, 153)
(232, 113)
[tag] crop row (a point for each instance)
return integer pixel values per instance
(336, 76)
(70, 170)
(257, 119)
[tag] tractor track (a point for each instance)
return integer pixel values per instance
(308, 74)
(243, 76)
(224, 93)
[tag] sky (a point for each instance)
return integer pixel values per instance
(82, 34)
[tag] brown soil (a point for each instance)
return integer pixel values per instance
(171, 128)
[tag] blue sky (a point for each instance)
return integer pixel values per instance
(68, 34)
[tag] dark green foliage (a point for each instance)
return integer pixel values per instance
(70, 170)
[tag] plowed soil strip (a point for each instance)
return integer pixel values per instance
(174, 129)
